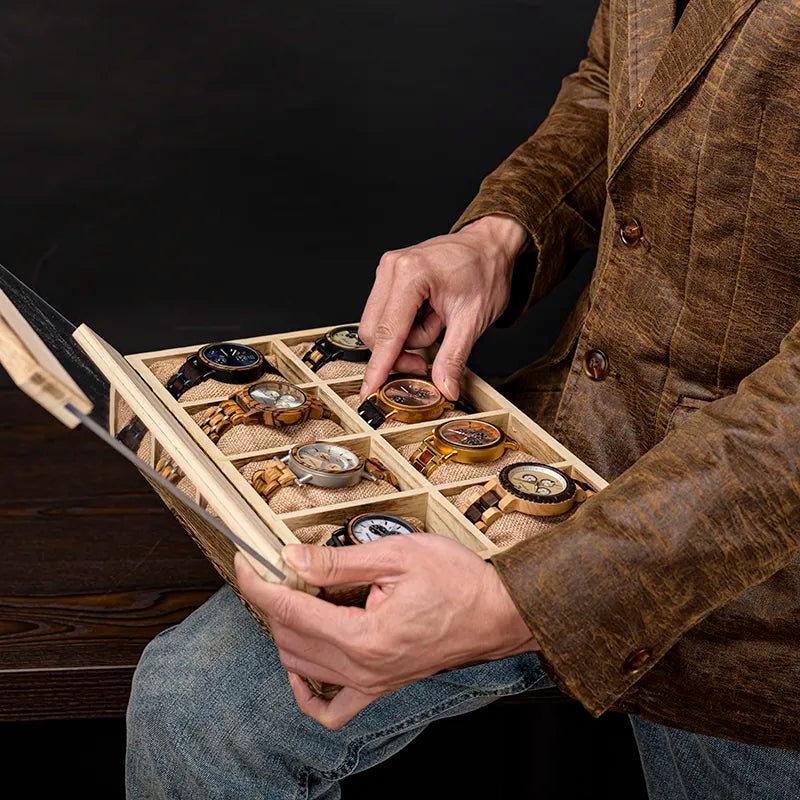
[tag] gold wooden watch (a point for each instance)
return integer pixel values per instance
(538, 490)
(272, 403)
(407, 399)
(465, 441)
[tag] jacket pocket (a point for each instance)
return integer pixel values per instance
(684, 408)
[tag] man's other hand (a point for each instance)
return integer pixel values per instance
(465, 278)
(433, 605)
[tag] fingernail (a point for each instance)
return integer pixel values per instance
(451, 388)
(238, 560)
(365, 391)
(297, 556)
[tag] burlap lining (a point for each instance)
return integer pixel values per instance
(354, 401)
(333, 369)
(166, 369)
(319, 534)
(450, 471)
(240, 439)
(297, 498)
(514, 527)
(122, 416)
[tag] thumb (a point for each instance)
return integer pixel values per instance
(328, 566)
(451, 360)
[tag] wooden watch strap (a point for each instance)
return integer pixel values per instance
(482, 511)
(168, 469)
(190, 374)
(218, 419)
(272, 478)
(132, 434)
(379, 471)
(371, 413)
(281, 417)
(425, 459)
(319, 354)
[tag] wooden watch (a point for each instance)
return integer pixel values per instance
(408, 399)
(339, 343)
(465, 441)
(272, 403)
(321, 464)
(228, 362)
(367, 528)
(538, 490)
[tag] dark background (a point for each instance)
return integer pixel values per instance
(175, 172)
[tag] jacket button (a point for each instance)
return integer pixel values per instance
(637, 661)
(595, 365)
(631, 232)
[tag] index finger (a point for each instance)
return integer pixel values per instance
(390, 334)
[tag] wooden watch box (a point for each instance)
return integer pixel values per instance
(216, 475)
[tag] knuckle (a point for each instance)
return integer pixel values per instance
(407, 262)
(387, 259)
(383, 332)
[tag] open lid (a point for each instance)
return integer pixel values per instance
(69, 371)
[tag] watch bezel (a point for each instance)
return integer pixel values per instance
(508, 486)
(262, 407)
(350, 523)
(228, 374)
(469, 447)
(347, 348)
(410, 409)
(293, 459)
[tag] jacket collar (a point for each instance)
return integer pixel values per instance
(664, 63)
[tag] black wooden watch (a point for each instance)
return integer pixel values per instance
(369, 528)
(340, 343)
(228, 362)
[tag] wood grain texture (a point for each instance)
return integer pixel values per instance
(94, 566)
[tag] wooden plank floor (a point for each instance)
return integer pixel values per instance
(93, 567)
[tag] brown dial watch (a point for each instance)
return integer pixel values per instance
(408, 399)
(465, 441)
(538, 490)
(272, 403)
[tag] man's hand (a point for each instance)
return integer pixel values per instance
(433, 605)
(465, 278)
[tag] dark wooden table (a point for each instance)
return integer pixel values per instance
(93, 567)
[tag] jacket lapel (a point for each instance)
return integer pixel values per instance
(664, 65)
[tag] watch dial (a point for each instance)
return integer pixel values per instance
(228, 355)
(537, 480)
(274, 394)
(370, 527)
(347, 336)
(411, 393)
(326, 457)
(470, 433)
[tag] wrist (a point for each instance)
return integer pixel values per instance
(501, 235)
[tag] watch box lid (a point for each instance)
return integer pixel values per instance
(62, 367)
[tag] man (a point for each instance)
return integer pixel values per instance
(674, 593)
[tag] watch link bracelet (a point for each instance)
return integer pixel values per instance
(224, 361)
(321, 464)
(531, 488)
(408, 400)
(369, 528)
(271, 403)
(168, 469)
(339, 343)
(132, 434)
(465, 441)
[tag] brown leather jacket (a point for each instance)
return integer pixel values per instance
(676, 592)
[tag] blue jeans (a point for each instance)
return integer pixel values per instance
(212, 716)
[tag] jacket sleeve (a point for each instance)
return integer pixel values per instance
(554, 183)
(707, 513)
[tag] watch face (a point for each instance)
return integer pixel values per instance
(275, 394)
(411, 393)
(469, 433)
(537, 482)
(228, 355)
(324, 457)
(371, 527)
(347, 337)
